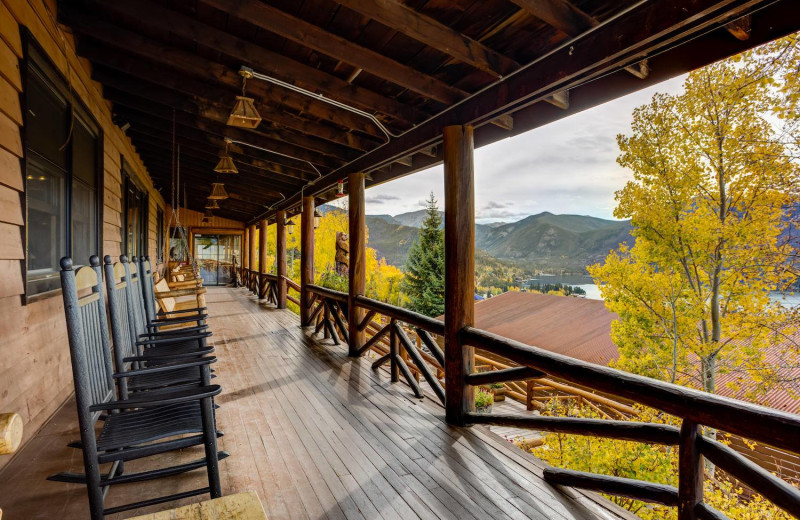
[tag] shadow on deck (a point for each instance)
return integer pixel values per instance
(317, 435)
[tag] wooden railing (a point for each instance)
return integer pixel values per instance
(697, 410)
(290, 284)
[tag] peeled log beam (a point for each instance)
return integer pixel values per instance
(774, 427)
(775, 489)
(501, 376)
(10, 433)
(625, 430)
(621, 487)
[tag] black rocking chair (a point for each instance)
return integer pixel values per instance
(146, 425)
(130, 355)
(171, 345)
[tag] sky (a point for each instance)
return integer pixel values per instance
(566, 167)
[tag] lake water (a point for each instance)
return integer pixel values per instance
(790, 301)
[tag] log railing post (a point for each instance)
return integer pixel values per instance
(306, 258)
(690, 471)
(246, 258)
(459, 247)
(262, 258)
(253, 259)
(394, 351)
(280, 256)
(358, 265)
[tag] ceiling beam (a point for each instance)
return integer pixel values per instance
(570, 20)
(308, 35)
(208, 150)
(560, 14)
(157, 94)
(191, 152)
(167, 21)
(434, 34)
(192, 65)
(315, 136)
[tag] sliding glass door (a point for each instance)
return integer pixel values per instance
(215, 255)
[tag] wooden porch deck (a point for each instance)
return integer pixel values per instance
(317, 435)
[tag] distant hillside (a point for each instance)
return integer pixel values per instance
(543, 241)
(555, 241)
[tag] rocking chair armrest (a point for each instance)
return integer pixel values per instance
(173, 332)
(198, 310)
(176, 293)
(173, 339)
(177, 319)
(184, 395)
(170, 357)
(165, 368)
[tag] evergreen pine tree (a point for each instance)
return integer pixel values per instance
(424, 279)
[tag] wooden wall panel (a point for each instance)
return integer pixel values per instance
(35, 373)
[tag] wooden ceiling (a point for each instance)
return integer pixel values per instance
(505, 66)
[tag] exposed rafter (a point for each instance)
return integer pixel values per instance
(424, 29)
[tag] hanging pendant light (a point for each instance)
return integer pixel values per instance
(244, 113)
(207, 217)
(340, 189)
(212, 204)
(218, 191)
(225, 164)
(290, 226)
(317, 217)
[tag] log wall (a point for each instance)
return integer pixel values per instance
(35, 377)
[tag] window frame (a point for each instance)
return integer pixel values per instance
(35, 55)
(130, 183)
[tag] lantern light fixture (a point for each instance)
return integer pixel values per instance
(340, 189)
(244, 113)
(225, 164)
(317, 218)
(290, 226)
(212, 204)
(218, 191)
(207, 217)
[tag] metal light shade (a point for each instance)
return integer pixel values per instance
(212, 204)
(204, 220)
(290, 226)
(244, 113)
(207, 217)
(218, 191)
(225, 165)
(317, 217)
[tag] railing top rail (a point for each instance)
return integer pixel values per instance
(774, 427)
(291, 283)
(270, 276)
(418, 320)
(327, 293)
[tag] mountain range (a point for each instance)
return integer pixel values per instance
(543, 241)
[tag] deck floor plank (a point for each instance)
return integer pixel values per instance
(317, 435)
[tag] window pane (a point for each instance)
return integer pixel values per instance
(84, 154)
(46, 122)
(46, 224)
(84, 223)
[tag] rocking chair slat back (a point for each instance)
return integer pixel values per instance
(88, 336)
(122, 330)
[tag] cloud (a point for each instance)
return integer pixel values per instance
(493, 204)
(381, 198)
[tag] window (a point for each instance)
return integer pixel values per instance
(62, 176)
(135, 215)
(160, 244)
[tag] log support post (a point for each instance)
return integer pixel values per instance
(459, 247)
(246, 257)
(280, 256)
(306, 259)
(253, 262)
(690, 471)
(357, 275)
(262, 258)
